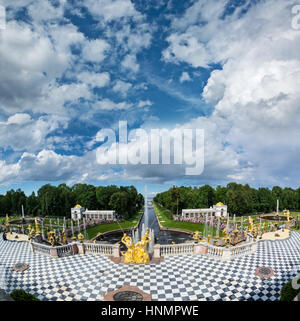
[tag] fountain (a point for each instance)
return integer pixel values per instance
(23, 220)
(277, 217)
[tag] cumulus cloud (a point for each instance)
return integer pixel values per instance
(129, 62)
(94, 79)
(20, 132)
(255, 93)
(122, 87)
(95, 50)
(111, 9)
(145, 103)
(107, 104)
(184, 77)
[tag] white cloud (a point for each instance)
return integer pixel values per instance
(145, 103)
(21, 132)
(110, 10)
(122, 87)
(31, 59)
(255, 94)
(129, 62)
(95, 50)
(94, 79)
(184, 77)
(107, 104)
(19, 119)
(185, 47)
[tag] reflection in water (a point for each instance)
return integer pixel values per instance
(161, 237)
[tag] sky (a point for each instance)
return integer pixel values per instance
(69, 69)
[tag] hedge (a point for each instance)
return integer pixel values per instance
(21, 295)
(288, 293)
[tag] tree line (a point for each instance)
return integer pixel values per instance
(58, 200)
(240, 199)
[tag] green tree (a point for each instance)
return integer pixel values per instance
(119, 202)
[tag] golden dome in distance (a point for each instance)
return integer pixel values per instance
(220, 204)
(78, 206)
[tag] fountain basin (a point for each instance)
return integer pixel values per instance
(23, 221)
(274, 218)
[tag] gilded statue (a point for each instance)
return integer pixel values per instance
(31, 232)
(251, 224)
(196, 237)
(129, 255)
(80, 237)
(141, 254)
(37, 229)
(64, 239)
(51, 238)
(136, 253)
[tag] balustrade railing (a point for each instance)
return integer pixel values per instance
(215, 251)
(176, 249)
(99, 249)
(40, 248)
(64, 250)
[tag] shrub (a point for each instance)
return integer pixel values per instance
(288, 293)
(21, 295)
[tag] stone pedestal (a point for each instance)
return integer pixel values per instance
(156, 253)
(116, 251)
(53, 252)
(80, 248)
(200, 249)
(226, 255)
(74, 249)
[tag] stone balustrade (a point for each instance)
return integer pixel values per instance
(64, 250)
(76, 248)
(40, 248)
(205, 249)
(176, 249)
(101, 249)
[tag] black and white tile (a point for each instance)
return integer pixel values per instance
(179, 278)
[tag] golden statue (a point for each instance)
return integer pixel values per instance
(52, 238)
(37, 229)
(80, 237)
(196, 237)
(136, 253)
(64, 239)
(288, 215)
(208, 238)
(129, 255)
(251, 224)
(224, 232)
(141, 254)
(7, 224)
(31, 232)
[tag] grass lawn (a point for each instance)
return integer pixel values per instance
(295, 229)
(165, 221)
(93, 231)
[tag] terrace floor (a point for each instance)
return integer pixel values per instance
(180, 278)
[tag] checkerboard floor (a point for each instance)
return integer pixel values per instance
(177, 278)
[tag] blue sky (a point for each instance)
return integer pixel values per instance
(72, 68)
